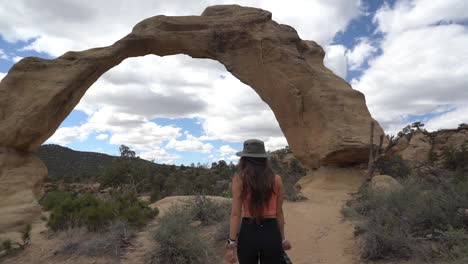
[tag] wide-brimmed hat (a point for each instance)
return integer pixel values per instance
(253, 148)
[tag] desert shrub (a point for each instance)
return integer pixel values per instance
(54, 198)
(454, 244)
(222, 232)
(419, 211)
(456, 159)
(179, 242)
(7, 245)
(96, 213)
(25, 232)
(394, 166)
(207, 210)
(111, 241)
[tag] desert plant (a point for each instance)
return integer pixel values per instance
(111, 241)
(207, 210)
(394, 166)
(178, 241)
(7, 245)
(421, 210)
(25, 232)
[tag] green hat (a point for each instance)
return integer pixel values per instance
(253, 148)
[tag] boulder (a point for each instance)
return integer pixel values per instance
(384, 183)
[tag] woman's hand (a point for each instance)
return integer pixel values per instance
(286, 245)
(231, 256)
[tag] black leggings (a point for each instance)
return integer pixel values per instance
(259, 242)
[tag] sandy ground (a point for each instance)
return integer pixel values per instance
(315, 227)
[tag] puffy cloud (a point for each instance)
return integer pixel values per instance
(158, 154)
(335, 60)
(131, 130)
(226, 150)
(95, 23)
(3, 55)
(409, 15)
(2, 75)
(191, 143)
(359, 54)
(422, 67)
(67, 135)
(102, 136)
(449, 120)
(15, 59)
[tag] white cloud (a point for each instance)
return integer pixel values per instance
(2, 75)
(102, 136)
(449, 120)
(360, 53)
(410, 15)
(422, 67)
(3, 55)
(226, 150)
(67, 135)
(17, 58)
(158, 154)
(191, 143)
(78, 25)
(335, 60)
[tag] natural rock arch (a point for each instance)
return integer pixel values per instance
(324, 120)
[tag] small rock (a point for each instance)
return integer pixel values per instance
(196, 223)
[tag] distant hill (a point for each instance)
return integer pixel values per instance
(65, 161)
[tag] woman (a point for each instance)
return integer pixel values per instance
(259, 192)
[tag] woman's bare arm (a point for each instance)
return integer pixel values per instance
(236, 208)
(279, 207)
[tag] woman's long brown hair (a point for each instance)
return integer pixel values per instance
(256, 175)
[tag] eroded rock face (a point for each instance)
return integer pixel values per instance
(417, 149)
(324, 120)
(322, 117)
(21, 176)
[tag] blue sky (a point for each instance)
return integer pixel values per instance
(408, 57)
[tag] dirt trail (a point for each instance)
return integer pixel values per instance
(315, 227)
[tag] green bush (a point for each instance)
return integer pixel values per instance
(96, 213)
(54, 198)
(179, 242)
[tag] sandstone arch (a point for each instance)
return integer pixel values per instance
(324, 120)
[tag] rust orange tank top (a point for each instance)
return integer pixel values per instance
(270, 209)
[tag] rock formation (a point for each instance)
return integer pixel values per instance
(416, 147)
(324, 120)
(21, 176)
